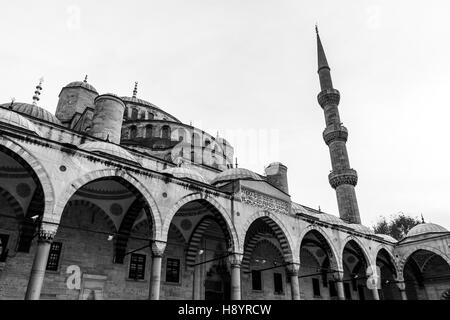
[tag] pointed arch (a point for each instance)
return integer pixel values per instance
(134, 184)
(416, 248)
(280, 232)
(39, 174)
(214, 204)
(326, 242)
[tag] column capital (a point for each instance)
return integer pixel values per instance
(158, 248)
(293, 269)
(338, 276)
(401, 285)
(46, 235)
(235, 259)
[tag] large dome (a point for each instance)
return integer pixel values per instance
(185, 173)
(236, 174)
(108, 148)
(81, 84)
(424, 228)
(33, 111)
(139, 101)
(15, 119)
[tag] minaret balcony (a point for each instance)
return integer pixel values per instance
(329, 97)
(340, 177)
(335, 133)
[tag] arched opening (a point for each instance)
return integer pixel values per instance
(355, 277)
(389, 289)
(151, 116)
(22, 203)
(196, 256)
(104, 230)
(149, 131)
(267, 255)
(317, 266)
(134, 114)
(133, 132)
(165, 132)
(427, 276)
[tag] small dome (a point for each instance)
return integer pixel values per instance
(386, 237)
(424, 228)
(108, 148)
(361, 228)
(15, 119)
(185, 173)
(330, 218)
(81, 84)
(236, 174)
(33, 111)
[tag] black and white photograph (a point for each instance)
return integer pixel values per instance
(225, 151)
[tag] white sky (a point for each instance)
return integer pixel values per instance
(244, 67)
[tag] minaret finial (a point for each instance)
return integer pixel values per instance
(323, 68)
(85, 78)
(37, 93)
(135, 89)
(317, 29)
(236, 165)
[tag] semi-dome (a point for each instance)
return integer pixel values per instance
(33, 111)
(15, 119)
(185, 173)
(108, 148)
(386, 237)
(424, 228)
(82, 84)
(236, 174)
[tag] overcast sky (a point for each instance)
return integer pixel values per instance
(249, 69)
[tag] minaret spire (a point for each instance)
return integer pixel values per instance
(135, 89)
(323, 68)
(342, 178)
(37, 93)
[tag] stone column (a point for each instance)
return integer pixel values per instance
(374, 281)
(293, 270)
(158, 248)
(402, 287)
(235, 262)
(45, 239)
(339, 280)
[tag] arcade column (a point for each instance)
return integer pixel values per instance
(339, 279)
(235, 263)
(158, 248)
(293, 270)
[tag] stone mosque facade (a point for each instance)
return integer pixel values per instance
(114, 198)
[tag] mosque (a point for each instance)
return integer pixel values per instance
(114, 198)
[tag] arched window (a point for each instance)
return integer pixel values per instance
(133, 132)
(207, 142)
(148, 131)
(142, 115)
(134, 114)
(151, 116)
(165, 132)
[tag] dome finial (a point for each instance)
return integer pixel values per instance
(135, 89)
(85, 79)
(12, 103)
(107, 138)
(236, 165)
(423, 220)
(37, 93)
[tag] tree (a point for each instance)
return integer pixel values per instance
(398, 225)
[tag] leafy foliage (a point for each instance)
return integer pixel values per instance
(397, 226)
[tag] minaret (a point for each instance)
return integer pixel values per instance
(37, 93)
(342, 178)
